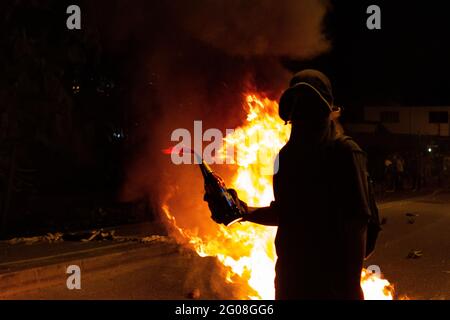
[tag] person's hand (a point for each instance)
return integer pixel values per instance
(243, 208)
(218, 211)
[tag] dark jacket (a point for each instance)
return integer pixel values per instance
(322, 200)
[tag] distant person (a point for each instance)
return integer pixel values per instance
(323, 205)
(399, 172)
(389, 175)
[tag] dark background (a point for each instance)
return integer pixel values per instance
(404, 63)
(72, 121)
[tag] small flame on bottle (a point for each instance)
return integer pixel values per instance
(181, 151)
(168, 150)
(176, 149)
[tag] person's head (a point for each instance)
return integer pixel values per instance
(308, 102)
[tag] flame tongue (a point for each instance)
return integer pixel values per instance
(376, 288)
(248, 249)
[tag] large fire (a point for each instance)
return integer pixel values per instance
(248, 249)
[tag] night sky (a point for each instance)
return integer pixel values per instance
(405, 63)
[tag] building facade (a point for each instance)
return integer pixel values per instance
(427, 121)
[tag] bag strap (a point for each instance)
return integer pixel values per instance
(374, 216)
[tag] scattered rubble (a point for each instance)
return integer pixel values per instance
(95, 235)
(414, 254)
(411, 217)
(155, 238)
(100, 235)
(49, 237)
(411, 214)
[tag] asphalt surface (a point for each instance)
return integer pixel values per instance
(426, 229)
(164, 270)
(159, 271)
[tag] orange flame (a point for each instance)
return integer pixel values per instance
(375, 287)
(248, 249)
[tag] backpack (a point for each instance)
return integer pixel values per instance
(373, 225)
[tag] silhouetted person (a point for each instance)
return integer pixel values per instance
(322, 200)
(399, 171)
(389, 175)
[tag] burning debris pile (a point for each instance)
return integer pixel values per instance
(247, 250)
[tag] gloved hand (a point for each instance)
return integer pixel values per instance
(219, 211)
(243, 207)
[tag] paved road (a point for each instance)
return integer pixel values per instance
(159, 270)
(427, 277)
(166, 271)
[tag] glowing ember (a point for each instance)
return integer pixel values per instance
(248, 249)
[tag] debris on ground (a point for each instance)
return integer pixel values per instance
(412, 214)
(88, 236)
(49, 237)
(30, 240)
(53, 237)
(155, 238)
(100, 235)
(414, 254)
(411, 217)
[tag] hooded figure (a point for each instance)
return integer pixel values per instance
(322, 199)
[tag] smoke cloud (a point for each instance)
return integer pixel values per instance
(194, 60)
(290, 28)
